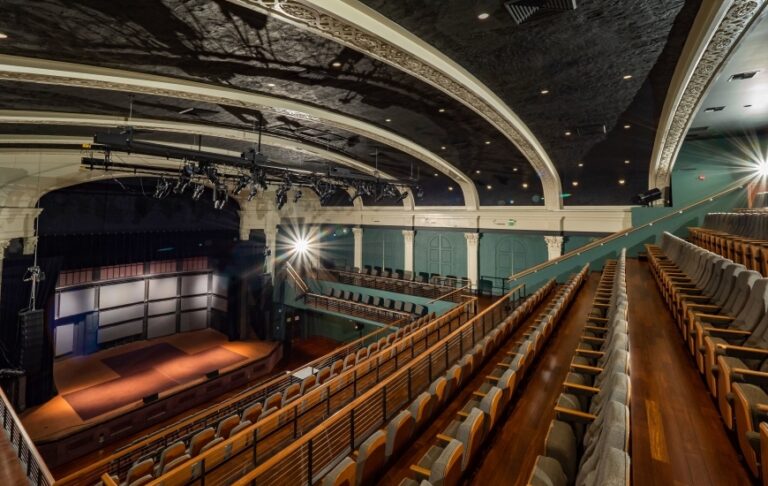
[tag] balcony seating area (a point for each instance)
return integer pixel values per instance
(588, 442)
(390, 304)
(739, 236)
(720, 307)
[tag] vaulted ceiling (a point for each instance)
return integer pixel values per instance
(566, 75)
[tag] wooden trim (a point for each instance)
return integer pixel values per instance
(44, 472)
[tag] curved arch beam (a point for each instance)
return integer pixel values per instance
(77, 119)
(355, 25)
(716, 31)
(68, 74)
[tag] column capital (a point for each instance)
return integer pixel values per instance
(554, 246)
(408, 235)
(357, 231)
(472, 238)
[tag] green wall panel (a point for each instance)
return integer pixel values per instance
(443, 252)
(383, 247)
(505, 253)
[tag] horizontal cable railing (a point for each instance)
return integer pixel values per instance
(310, 457)
(122, 459)
(400, 286)
(513, 279)
(283, 427)
(357, 309)
(26, 452)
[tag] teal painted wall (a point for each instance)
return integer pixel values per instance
(443, 252)
(505, 253)
(383, 247)
(337, 245)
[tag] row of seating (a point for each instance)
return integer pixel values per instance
(385, 444)
(738, 236)
(397, 305)
(372, 272)
(721, 311)
(457, 445)
(588, 441)
(164, 459)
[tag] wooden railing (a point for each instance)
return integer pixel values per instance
(311, 456)
(401, 286)
(277, 431)
(357, 309)
(33, 465)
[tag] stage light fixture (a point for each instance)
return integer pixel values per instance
(197, 192)
(296, 196)
(253, 192)
(162, 189)
(242, 182)
(401, 197)
(219, 196)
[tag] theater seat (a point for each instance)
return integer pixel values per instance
(439, 390)
(547, 472)
(142, 480)
(139, 470)
(252, 412)
(291, 393)
(491, 405)
(421, 409)
(200, 439)
(169, 454)
(170, 466)
(273, 401)
(441, 465)
(470, 432)
(307, 384)
(399, 431)
(240, 427)
(341, 475)
(370, 457)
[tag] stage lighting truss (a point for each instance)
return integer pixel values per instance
(251, 172)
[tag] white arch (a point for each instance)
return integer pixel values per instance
(79, 75)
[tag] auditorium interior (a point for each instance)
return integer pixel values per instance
(393, 243)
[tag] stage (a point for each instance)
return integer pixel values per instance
(100, 387)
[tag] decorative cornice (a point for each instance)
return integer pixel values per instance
(327, 24)
(733, 24)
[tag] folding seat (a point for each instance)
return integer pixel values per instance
(142, 480)
(226, 425)
(438, 389)
(328, 292)
(421, 408)
(407, 275)
(356, 269)
(370, 457)
(441, 465)
(386, 273)
(349, 361)
(240, 427)
(398, 306)
(408, 307)
(266, 412)
(547, 472)
(308, 384)
(341, 475)
(750, 314)
(366, 299)
(139, 470)
(505, 383)
(200, 439)
(578, 396)
(372, 348)
(376, 301)
(336, 368)
(399, 431)
(170, 454)
(252, 412)
(355, 297)
(382, 343)
(387, 303)
(362, 354)
(467, 364)
(716, 302)
(273, 401)
(492, 404)
(454, 379)
(392, 337)
(291, 393)
(469, 431)
(169, 466)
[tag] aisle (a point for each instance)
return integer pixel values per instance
(677, 435)
(512, 451)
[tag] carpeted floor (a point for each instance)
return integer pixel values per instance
(146, 371)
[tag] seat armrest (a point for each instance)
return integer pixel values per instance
(492, 377)
(479, 394)
(726, 333)
(443, 437)
(580, 368)
(421, 471)
(741, 351)
(593, 339)
(714, 318)
(595, 328)
(580, 389)
(596, 319)
(749, 376)
(571, 415)
(462, 414)
(589, 353)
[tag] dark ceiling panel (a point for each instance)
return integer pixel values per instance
(218, 42)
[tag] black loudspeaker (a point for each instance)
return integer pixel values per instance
(150, 398)
(31, 340)
(212, 374)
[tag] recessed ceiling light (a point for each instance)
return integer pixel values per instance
(489, 187)
(525, 185)
(271, 85)
(388, 120)
(443, 147)
(483, 15)
(626, 127)
(544, 91)
(575, 183)
(436, 174)
(568, 133)
(626, 161)
(487, 142)
(441, 110)
(3, 36)
(477, 171)
(450, 188)
(581, 164)
(627, 76)
(621, 182)
(336, 64)
(514, 169)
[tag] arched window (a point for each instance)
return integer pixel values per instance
(511, 257)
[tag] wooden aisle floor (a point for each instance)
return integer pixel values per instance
(678, 437)
(11, 470)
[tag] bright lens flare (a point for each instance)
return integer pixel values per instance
(301, 246)
(762, 169)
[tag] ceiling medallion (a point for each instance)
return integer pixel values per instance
(339, 30)
(735, 22)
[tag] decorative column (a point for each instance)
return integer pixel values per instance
(554, 246)
(473, 240)
(30, 243)
(358, 234)
(408, 239)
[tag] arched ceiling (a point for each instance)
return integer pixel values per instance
(233, 63)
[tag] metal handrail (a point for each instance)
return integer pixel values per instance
(623, 233)
(26, 452)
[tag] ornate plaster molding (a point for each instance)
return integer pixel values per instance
(14, 68)
(728, 31)
(325, 18)
(472, 238)
(554, 246)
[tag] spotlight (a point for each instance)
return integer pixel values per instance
(219, 196)
(162, 189)
(419, 192)
(647, 197)
(281, 197)
(252, 193)
(197, 192)
(242, 182)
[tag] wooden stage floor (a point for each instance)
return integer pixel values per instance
(96, 387)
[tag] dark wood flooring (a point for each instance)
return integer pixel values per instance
(11, 470)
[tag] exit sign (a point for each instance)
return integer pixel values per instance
(511, 222)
